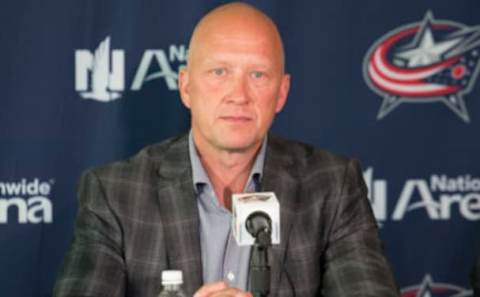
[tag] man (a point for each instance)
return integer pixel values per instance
(169, 206)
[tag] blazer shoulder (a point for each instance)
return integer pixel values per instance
(141, 165)
(306, 155)
(314, 166)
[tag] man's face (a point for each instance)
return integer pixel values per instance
(233, 86)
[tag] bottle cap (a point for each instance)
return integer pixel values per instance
(172, 277)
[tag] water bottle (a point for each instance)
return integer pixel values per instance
(172, 281)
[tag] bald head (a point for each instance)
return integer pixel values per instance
(236, 20)
(234, 82)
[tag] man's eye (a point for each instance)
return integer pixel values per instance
(219, 71)
(258, 74)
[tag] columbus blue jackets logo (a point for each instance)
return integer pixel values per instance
(429, 288)
(429, 61)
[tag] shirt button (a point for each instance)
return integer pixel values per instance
(231, 276)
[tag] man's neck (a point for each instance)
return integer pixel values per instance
(228, 171)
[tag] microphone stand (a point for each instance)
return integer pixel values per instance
(259, 268)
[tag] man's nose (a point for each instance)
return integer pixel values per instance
(239, 93)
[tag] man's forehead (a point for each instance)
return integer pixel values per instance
(237, 59)
(238, 51)
(241, 40)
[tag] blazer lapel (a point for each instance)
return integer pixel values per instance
(277, 178)
(179, 214)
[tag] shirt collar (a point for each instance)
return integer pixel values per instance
(200, 177)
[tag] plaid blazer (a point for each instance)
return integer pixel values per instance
(139, 217)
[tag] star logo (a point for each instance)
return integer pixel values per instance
(429, 288)
(424, 62)
(425, 51)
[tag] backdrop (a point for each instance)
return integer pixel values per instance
(392, 83)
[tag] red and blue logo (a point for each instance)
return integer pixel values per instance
(424, 62)
(429, 288)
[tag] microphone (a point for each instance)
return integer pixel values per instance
(259, 225)
(256, 216)
(256, 222)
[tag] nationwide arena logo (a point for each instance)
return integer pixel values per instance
(439, 197)
(26, 201)
(100, 75)
(424, 62)
(429, 288)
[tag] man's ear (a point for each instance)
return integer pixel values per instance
(283, 94)
(183, 87)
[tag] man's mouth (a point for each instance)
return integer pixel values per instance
(236, 119)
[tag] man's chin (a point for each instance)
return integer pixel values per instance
(240, 146)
